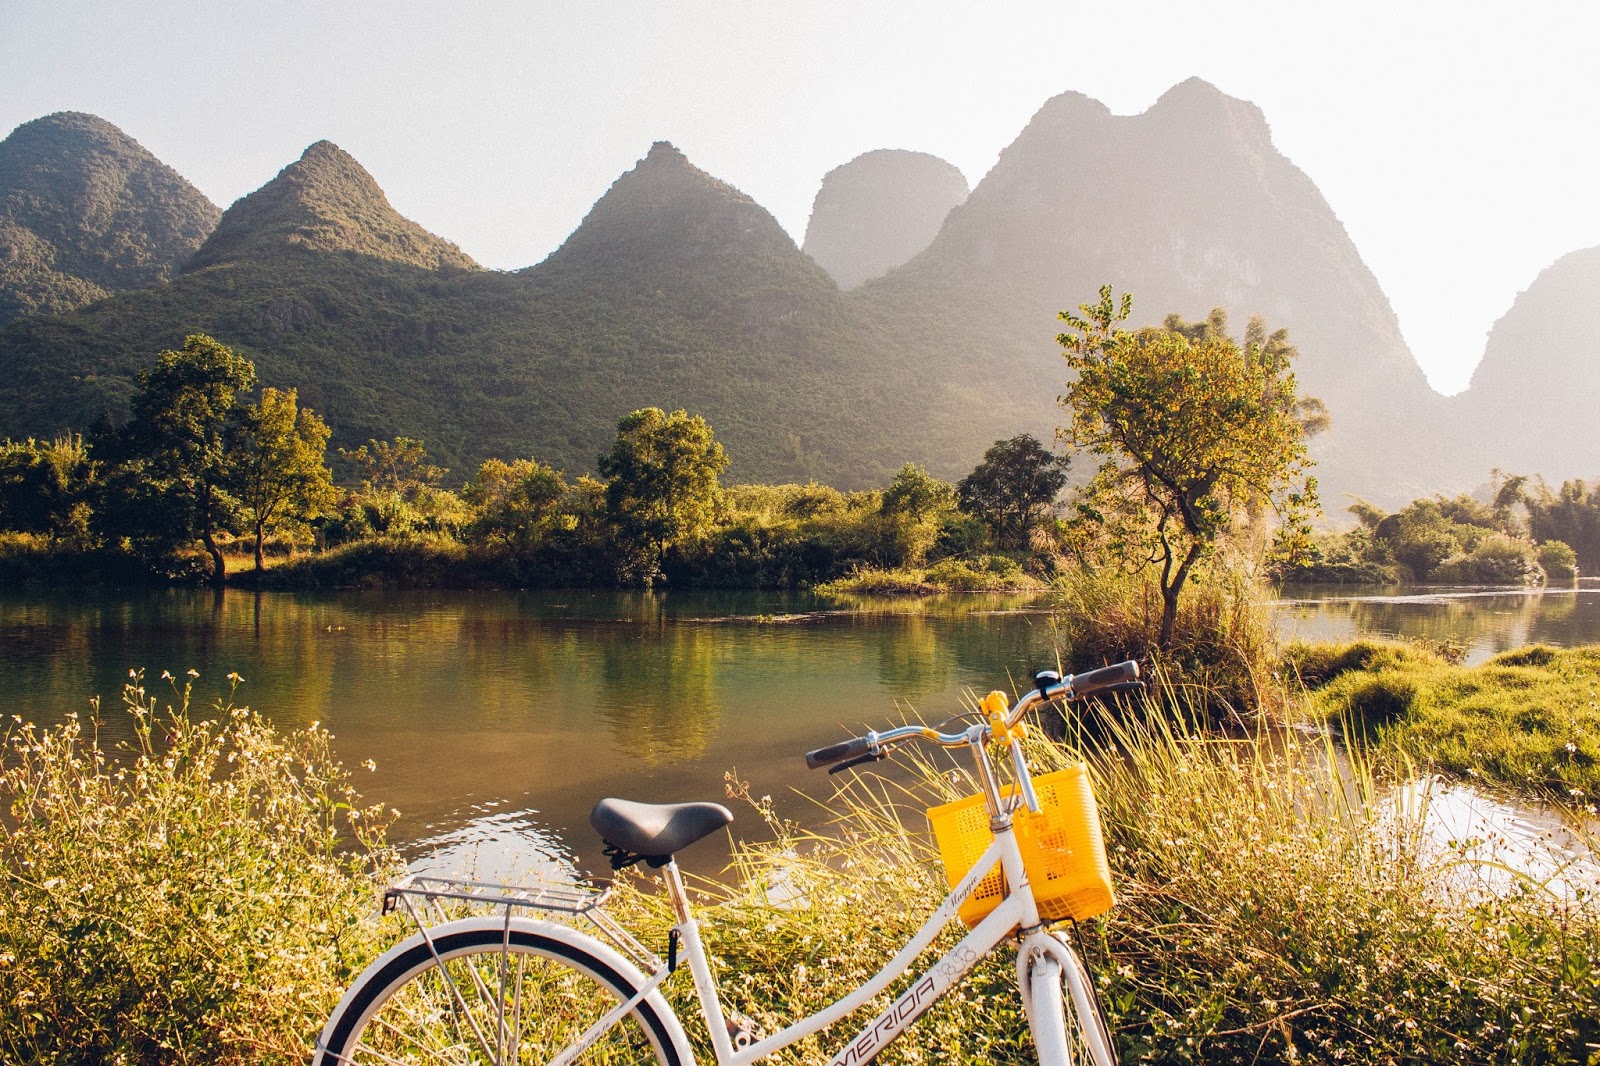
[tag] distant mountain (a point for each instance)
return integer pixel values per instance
(85, 210)
(325, 202)
(1533, 401)
(677, 290)
(878, 210)
(1188, 206)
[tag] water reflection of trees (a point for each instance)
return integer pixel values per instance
(657, 687)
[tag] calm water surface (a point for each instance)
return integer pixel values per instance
(1487, 621)
(497, 719)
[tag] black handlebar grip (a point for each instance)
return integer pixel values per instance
(1091, 681)
(849, 749)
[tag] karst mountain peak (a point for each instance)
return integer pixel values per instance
(86, 210)
(325, 201)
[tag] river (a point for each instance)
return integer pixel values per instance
(497, 719)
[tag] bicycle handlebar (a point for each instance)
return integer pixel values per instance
(1116, 677)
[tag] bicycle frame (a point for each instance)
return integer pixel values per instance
(1016, 911)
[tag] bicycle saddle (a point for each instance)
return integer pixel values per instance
(654, 831)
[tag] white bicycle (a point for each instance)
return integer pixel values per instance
(506, 988)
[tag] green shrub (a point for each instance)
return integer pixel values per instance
(1496, 560)
(191, 899)
(1558, 561)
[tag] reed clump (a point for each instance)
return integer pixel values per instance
(1275, 906)
(1223, 656)
(189, 897)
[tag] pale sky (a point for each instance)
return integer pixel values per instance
(1457, 142)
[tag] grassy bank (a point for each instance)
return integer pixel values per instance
(985, 573)
(188, 901)
(1527, 719)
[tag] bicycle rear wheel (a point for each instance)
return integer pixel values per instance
(472, 995)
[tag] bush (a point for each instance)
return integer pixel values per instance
(1497, 560)
(1558, 561)
(189, 900)
(403, 562)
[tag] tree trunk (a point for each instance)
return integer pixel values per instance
(260, 563)
(219, 567)
(1169, 596)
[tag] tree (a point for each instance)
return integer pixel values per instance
(1192, 431)
(661, 481)
(1017, 480)
(43, 485)
(915, 504)
(173, 453)
(517, 502)
(278, 468)
(400, 488)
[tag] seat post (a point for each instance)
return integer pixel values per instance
(676, 891)
(699, 968)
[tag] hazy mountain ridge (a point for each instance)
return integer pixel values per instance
(679, 290)
(877, 211)
(1084, 197)
(1532, 402)
(86, 210)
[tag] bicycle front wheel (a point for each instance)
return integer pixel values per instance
(474, 994)
(1064, 1015)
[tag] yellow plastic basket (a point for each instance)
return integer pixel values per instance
(1062, 849)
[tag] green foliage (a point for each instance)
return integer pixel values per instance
(1193, 433)
(44, 487)
(193, 899)
(916, 506)
(1454, 540)
(171, 458)
(1495, 560)
(661, 486)
(1571, 514)
(1558, 561)
(277, 465)
(517, 502)
(1018, 480)
(400, 491)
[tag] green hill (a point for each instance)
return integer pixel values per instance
(676, 291)
(86, 211)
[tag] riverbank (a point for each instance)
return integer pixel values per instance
(1275, 905)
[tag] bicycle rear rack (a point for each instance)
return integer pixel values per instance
(549, 897)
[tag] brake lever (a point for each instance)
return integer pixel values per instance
(858, 760)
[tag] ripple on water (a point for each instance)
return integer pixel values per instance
(493, 845)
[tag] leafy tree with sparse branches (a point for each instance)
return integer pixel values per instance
(1193, 430)
(278, 464)
(517, 502)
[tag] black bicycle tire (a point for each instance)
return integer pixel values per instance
(411, 964)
